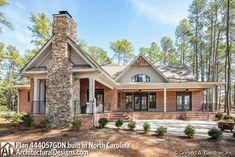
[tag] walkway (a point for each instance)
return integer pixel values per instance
(174, 126)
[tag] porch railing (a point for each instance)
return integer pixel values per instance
(208, 107)
(170, 107)
(38, 107)
(81, 107)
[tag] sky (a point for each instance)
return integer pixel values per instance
(100, 22)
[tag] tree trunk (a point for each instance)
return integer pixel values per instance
(228, 56)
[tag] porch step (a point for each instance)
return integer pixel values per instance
(196, 116)
(116, 116)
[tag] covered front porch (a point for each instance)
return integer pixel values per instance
(166, 97)
(159, 100)
(93, 94)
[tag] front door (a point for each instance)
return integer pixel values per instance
(183, 101)
(141, 101)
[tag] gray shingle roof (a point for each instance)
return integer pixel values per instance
(174, 74)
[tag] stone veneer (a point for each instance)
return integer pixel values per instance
(59, 94)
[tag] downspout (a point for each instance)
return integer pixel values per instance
(94, 105)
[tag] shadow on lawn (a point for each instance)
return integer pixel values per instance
(95, 136)
(141, 144)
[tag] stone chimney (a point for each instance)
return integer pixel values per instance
(64, 26)
(59, 76)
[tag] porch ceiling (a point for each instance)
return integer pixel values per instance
(191, 85)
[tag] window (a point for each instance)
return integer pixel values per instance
(119, 100)
(152, 100)
(99, 96)
(128, 100)
(40, 97)
(183, 101)
(28, 96)
(140, 78)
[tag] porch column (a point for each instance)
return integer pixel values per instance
(91, 95)
(213, 99)
(164, 99)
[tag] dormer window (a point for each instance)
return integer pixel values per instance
(140, 78)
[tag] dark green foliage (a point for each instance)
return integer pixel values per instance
(146, 127)
(27, 120)
(215, 133)
(189, 131)
(132, 125)
(46, 124)
(119, 123)
(161, 131)
(76, 123)
(228, 117)
(234, 134)
(102, 122)
(219, 116)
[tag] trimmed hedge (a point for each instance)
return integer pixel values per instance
(102, 122)
(119, 123)
(132, 125)
(215, 133)
(189, 131)
(147, 127)
(76, 123)
(161, 131)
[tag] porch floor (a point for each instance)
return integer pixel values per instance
(174, 126)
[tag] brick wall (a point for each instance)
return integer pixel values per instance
(156, 115)
(87, 121)
(110, 95)
(38, 118)
(24, 104)
(171, 101)
(197, 100)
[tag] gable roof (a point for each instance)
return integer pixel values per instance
(37, 56)
(77, 49)
(46, 45)
(133, 61)
(113, 72)
(178, 74)
(174, 74)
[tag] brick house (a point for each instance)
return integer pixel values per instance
(66, 82)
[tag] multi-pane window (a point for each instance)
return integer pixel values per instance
(152, 100)
(119, 100)
(183, 101)
(128, 100)
(99, 96)
(40, 96)
(140, 78)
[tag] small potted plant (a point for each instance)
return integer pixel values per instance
(227, 123)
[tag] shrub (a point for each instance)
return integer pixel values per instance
(146, 127)
(102, 122)
(161, 131)
(228, 117)
(234, 134)
(132, 125)
(13, 117)
(46, 124)
(119, 123)
(215, 133)
(27, 120)
(189, 131)
(219, 116)
(76, 123)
